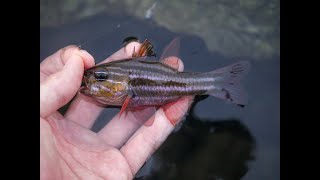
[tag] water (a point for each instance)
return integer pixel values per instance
(217, 140)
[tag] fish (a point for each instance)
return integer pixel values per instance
(140, 82)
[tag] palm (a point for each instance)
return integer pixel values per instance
(81, 152)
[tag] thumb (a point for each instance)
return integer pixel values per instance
(59, 88)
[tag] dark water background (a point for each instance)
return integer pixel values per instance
(217, 140)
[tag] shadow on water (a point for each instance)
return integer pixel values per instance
(203, 149)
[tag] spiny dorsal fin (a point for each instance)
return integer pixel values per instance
(145, 50)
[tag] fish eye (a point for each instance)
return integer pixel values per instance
(101, 74)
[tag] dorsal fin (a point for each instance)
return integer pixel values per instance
(171, 49)
(145, 50)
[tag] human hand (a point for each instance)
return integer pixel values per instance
(69, 149)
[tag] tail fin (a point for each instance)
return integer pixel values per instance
(227, 83)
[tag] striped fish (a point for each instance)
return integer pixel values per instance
(139, 82)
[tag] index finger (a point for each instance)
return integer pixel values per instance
(84, 112)
(125, 52)
(147, 139)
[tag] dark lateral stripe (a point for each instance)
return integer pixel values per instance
(149, 88)
(150, 82)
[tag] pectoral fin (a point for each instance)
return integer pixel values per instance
(125, 104)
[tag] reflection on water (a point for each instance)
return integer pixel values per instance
(203, 149)
(216, 139)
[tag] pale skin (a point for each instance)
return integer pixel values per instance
(69, 149)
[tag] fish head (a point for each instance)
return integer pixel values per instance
(104, 86)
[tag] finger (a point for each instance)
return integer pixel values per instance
(125, 52)
(56, 62)
(61, 86)
(147, 139)
(119, 130)
(85, 112)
